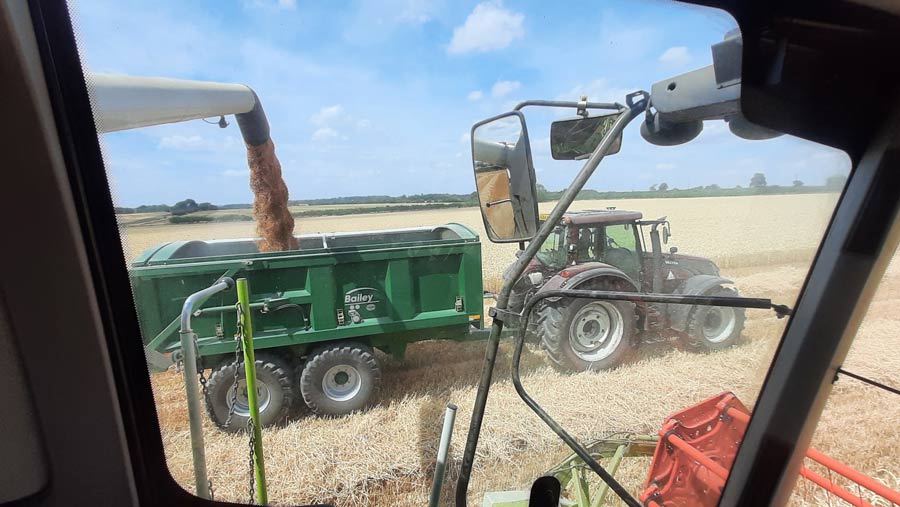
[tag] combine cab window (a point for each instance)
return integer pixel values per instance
(365, 256)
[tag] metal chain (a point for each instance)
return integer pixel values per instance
(252, 440)
(201, 373)
(238, 359)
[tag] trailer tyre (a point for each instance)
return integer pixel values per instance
(274, 388)
(340, 379)
(586, 334)
(715, 327)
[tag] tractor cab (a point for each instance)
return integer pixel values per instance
(609, 236)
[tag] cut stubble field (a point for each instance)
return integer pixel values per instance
(385, 456)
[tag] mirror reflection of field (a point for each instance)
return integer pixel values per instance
(385, 456)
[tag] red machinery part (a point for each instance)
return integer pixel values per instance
(697, 446)
(695, 451)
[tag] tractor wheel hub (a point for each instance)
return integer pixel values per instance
(596, 330)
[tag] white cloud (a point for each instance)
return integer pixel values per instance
(677, 56)
(363, 123)
(598, 90)
(715, 128)
(665, 166)
(280, 4)
(232, 173)
(177, 142)
(502, 88)
(475, 95)
(324, 134)
(373, 22)
(326, 115)
(488, 27)
(416, 12)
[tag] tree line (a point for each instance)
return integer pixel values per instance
(179, 208)
(757, 186)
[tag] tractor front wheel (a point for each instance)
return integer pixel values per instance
(715, 327)
(587, 334)
(340, 379)
(274, 393)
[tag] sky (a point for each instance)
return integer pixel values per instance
(378, 97)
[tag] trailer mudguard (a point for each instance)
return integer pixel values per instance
(693, 286)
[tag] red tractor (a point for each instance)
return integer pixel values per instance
(620, 251)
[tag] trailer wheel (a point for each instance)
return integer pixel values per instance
(274, 393)
(587, 334)
(715, 327)
(340, 379)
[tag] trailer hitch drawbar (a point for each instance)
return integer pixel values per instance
(189, 353)
(513, 318)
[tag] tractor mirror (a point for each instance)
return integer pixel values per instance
(504, 178)
(576, 138)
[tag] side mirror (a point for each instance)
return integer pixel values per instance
(504, 178)
(576, 138)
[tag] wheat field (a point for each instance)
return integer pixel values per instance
(385, 456)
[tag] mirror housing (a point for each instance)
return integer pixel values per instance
(576, 138)
(743, 128)
(504, 178)
(660, 132)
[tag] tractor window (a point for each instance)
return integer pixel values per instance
(620, 250)
(553, 251)
(589, 244)
(619, 237)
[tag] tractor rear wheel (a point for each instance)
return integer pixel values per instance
(715, 327)
(274, 393)
(587, 334)
(340, 379)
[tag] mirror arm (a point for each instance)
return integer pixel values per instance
(627, 115)
(637, 104)
(494, 203)
(610, 106)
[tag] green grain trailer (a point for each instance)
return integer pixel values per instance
(318, 312)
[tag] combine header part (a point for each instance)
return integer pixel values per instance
(692, 457)
(695, 450)
(697, 446)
